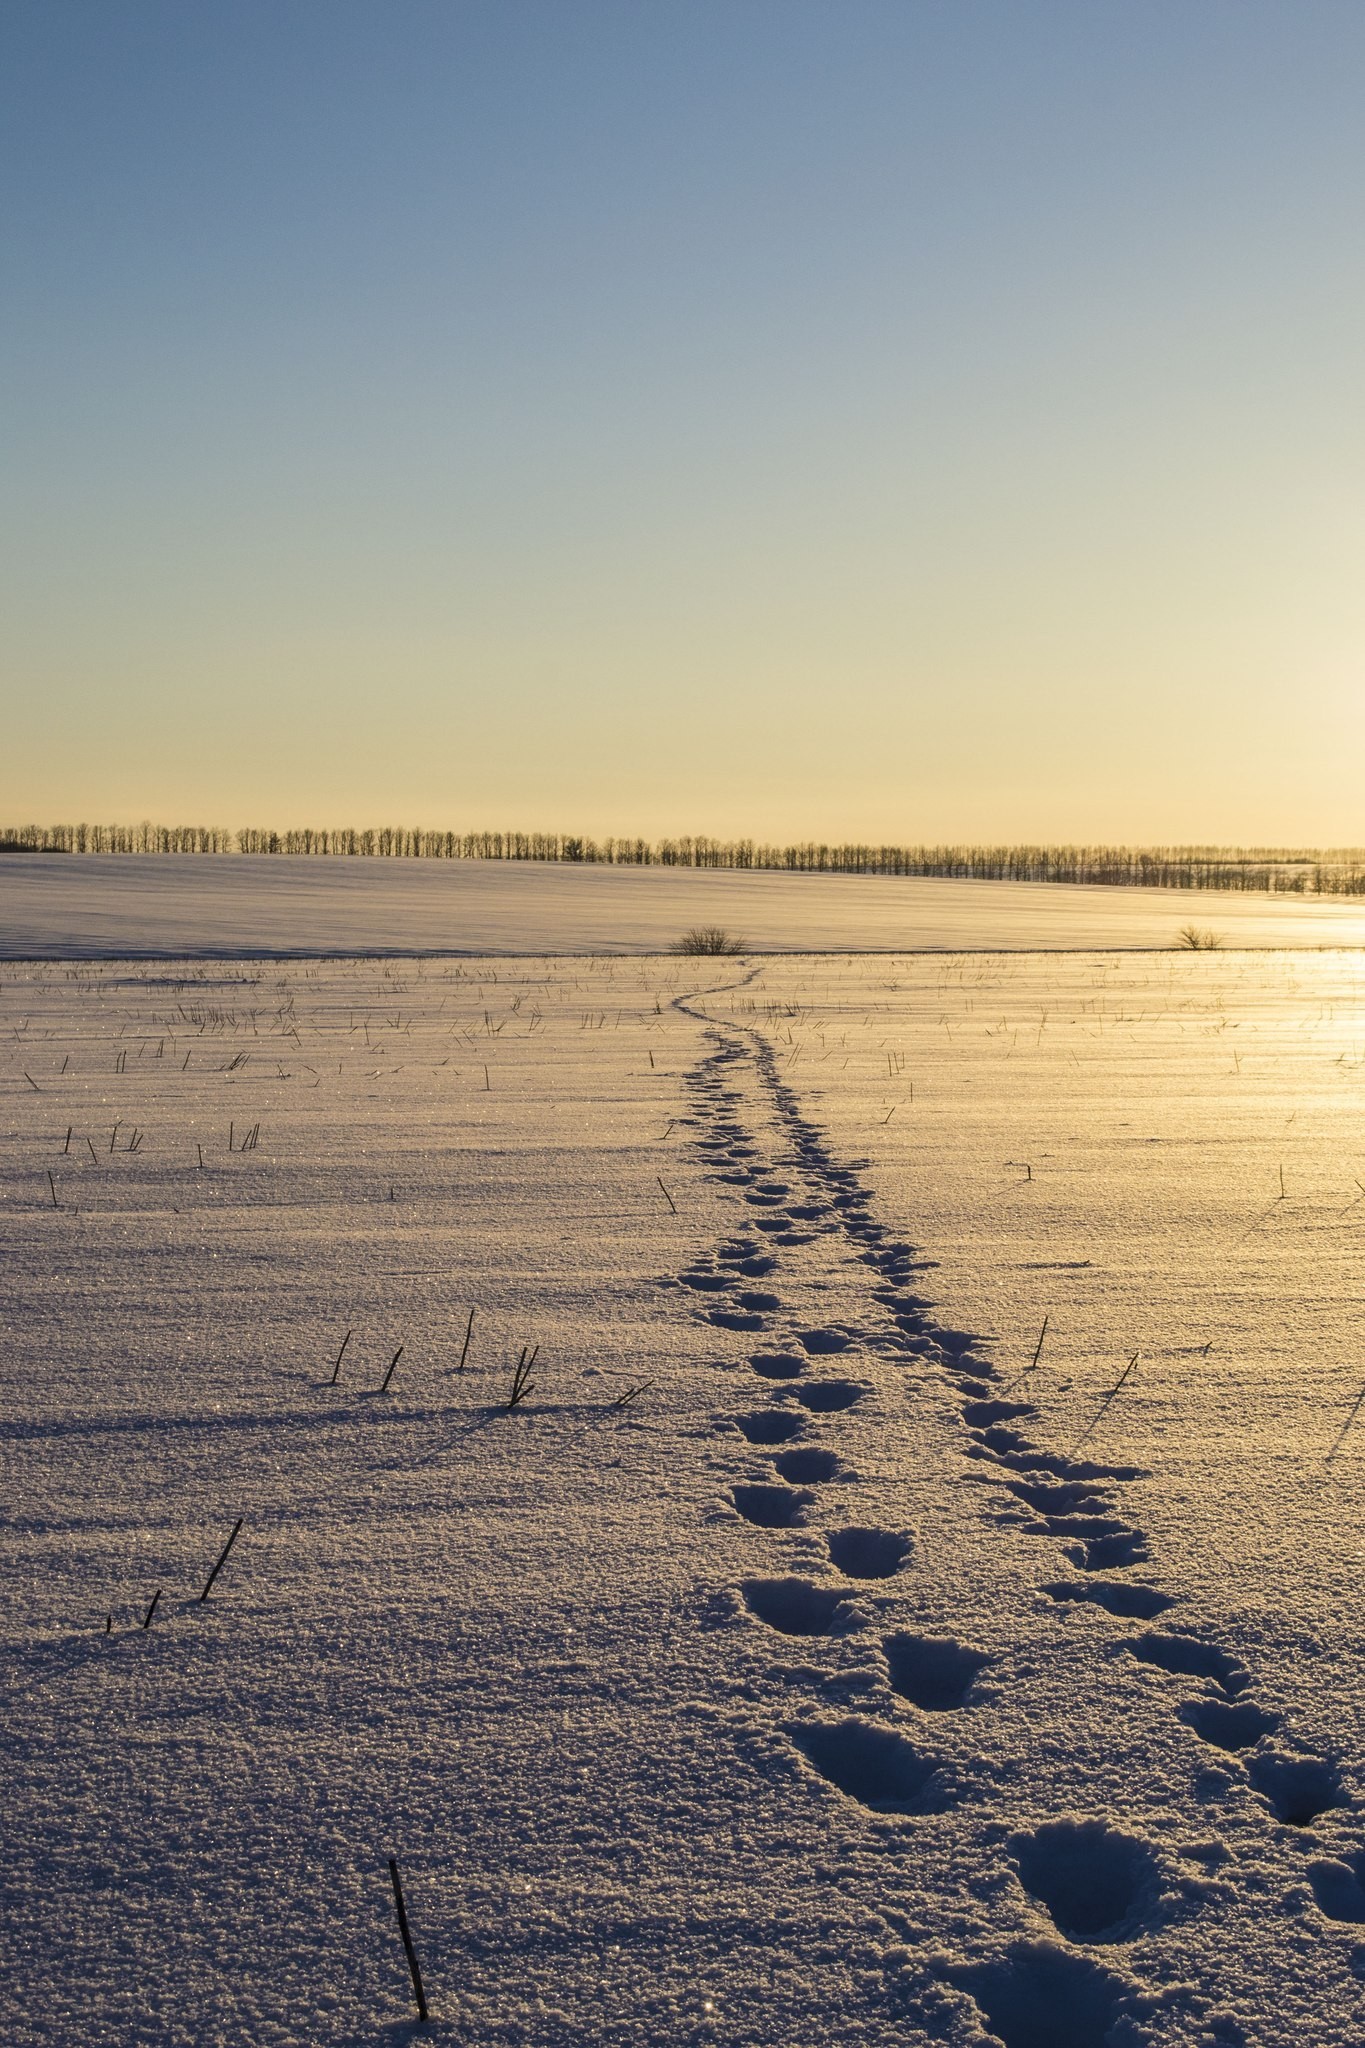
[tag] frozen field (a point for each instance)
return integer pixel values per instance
(869, 1676)
(202, 906)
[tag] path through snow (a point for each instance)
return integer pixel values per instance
(836, 1686)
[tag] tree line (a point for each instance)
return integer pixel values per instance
(1308, 871)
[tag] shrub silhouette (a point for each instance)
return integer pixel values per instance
(708, 938)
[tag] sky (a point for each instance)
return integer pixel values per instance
(854, 421)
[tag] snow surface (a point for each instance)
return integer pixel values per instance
(862, 1678)
(205, 906)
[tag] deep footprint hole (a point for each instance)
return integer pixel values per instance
(1038, 1996)
(1092, 1879)
(1189, 1658)
(777, 1365)
(771, 1507)
(1296, 1788)
(874, 1765)
(1227, 1726)
(934, 1673)
(1339, 1887)
(828, 1397)
(808, 1465)
(795, 1607)
(770, 1426)
(868, 1553)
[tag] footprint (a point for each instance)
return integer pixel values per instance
(1032, 1461)
(772, 1507)
(757, 1301)
(1089, 1528)
(777, 1365)
(1038, 1996)
(735, 1319)
(1108, 1549)
(1058, 1496)
(1190, 1658)
(1339, 1888)
(819, 1342)
(1228, 1727)
(932, 1672)
(868, 1553)
(770, 1426)
(707, 1283)
(1136, 1603)
(807, 1465)
(874, 1765)
(901, 1303)
(980, 1413)
(957, 1341)
(1094, 1881)
(827, 1397)
(1006, 1443)
(795, 1607)
(1296, 1788)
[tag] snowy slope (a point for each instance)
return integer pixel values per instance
(850, 1683)
(131, 906)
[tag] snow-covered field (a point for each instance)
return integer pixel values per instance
(811, 1657)
(205, 906)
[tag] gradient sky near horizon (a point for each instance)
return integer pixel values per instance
(940, 419)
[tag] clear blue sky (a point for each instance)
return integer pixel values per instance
(855, 420)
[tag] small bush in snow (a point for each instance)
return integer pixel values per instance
(708, 938)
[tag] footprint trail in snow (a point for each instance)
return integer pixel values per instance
(1098, 1885)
